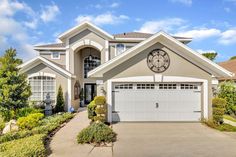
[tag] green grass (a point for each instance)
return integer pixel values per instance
(228, 117)
(222, 127)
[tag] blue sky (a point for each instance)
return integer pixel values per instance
(211, 23)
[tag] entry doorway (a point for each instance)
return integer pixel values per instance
(90, 91)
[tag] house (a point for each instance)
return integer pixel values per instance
(231, 66)
(145, 77)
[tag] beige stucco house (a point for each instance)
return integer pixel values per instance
(145, 77)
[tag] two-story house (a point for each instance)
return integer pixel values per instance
(145, 77)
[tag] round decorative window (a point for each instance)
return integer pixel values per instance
(158, 61)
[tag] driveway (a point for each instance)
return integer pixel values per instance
(171, 139)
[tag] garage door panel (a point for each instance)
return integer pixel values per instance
(157, 104)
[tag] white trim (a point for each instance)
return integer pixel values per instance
(152, 79)
(59, 55)
(42, 74)
(106, 50)
(49, 48)
(116, 49)
(67, 55)
(87, 42)
(32, 63)
(161, 37)
(81, 26)
(69, 94)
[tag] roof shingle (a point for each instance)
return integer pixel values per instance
(230, 66)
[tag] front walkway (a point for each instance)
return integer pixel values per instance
(64, 142)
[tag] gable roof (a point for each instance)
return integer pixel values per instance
(162, 37)
(83, 26)
(231, 66)
(53, 46)
(36, 61)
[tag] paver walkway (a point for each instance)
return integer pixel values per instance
(64, 142)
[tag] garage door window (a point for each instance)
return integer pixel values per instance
(188, 86)
(145, 86)
(124, 86)
(167, 86)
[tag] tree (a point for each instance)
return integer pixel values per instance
(60, 101)
(234, 57)
(14, 88)
(210, 55)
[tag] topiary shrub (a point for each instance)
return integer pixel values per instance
(91, 110)
(218, 110)
(96, 133)
(29, 122)
(101, 108)
(60, 101)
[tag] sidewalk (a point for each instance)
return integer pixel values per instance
(64, 143)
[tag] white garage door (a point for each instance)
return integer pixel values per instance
(156, 102)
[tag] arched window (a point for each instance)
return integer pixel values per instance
(40, 86)
(120, 48)
(90, 63)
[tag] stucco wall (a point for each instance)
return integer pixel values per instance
(60, 79)
(137, 66)
(61, 61)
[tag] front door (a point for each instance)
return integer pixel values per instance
(90, 92)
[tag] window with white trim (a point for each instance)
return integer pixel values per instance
(120, 48)
(145, 86)
(90, 63)
(167, 86)
(124, 86)
(188, 86)
(55, 55)
(40, 86)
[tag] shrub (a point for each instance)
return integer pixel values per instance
(47, 125)
(2, 124)
(227, 91)
(60, 101)
(6, 114)
(24, 112)
(91, 110)
(32, 146)
(218, 105)
(96, 133)
(101, 108)
(222, 127)
(29, 122)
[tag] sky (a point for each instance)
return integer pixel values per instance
(211, 23)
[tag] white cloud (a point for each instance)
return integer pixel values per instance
(49, 12)
(185, 2)
(204, 51)
(157, 25)
(114, 5)
(228, 37)
(102, 19)
(200, 33)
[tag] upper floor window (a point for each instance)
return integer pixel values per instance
(55, 55)
(40, 86)
(90, 63)
(120, 48)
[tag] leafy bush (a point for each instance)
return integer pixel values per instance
(24, 112)
(47, 125)
(91, 110)
(29, 122)
(227, 91)
(101, 108)
(60, 101)
(2, 124)
(32, 146)
(218, 105)
(6, 114)
(96, 133)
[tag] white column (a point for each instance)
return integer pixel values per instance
(106, 50)
(205, 99)
(69, 94)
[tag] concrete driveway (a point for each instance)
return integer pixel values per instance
(171, 140)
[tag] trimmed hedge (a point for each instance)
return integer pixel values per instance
(32, 146)
(96, 133)
(222, 127)
(91, 110)
(47, 125)
(218, 110)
